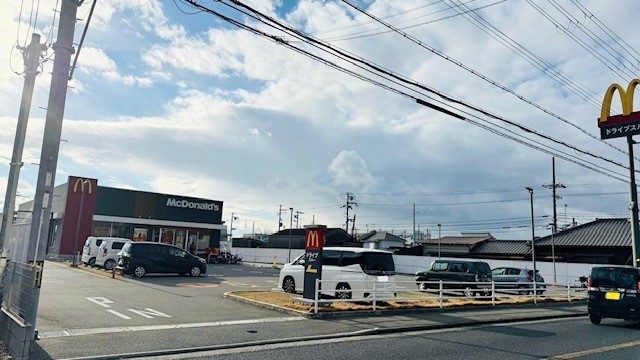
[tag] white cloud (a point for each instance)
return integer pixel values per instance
(350, 171)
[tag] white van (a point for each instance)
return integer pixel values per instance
(107, 254)
(347, 273)
(91, 246)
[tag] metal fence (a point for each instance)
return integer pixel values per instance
(441, 293)
(18, 287)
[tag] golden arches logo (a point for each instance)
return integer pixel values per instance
(313, 240)
(82, 182)
(626, 97)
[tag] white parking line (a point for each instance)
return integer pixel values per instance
(80, 332)
(257, 272)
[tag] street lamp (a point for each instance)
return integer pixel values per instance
(439, 225)
(533, 237)
(74, 262)
(290, 225)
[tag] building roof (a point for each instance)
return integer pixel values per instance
(511, 247)
(458, 240)
(377, 236)
(600, 233)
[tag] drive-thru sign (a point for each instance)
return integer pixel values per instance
(314, 242)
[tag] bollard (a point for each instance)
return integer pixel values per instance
(275, 264)
(113, 272)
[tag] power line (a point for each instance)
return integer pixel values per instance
(474, 72)
(381, 72)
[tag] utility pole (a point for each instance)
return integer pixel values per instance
(231, 226)
(297, 217)
(50, 147)
(553, 186)
(31, 56)
(280, 218)
(350, 201)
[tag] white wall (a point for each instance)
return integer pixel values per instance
(409, 264)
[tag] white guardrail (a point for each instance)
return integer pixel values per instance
(441, 292)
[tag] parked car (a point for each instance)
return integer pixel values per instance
(347, 273)
(90, 248)
(142, 258)
(613, 292)
(517, 278)
(107, 253)
(471, 276)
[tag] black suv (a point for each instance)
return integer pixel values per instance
(457, 274)
(141, 258)
(614, 292)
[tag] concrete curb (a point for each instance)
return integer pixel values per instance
(282, 309)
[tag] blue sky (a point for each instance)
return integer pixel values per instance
(187, 104)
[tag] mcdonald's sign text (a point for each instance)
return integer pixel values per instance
(626, 124)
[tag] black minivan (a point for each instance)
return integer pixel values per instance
(141, 258)
(614, 292)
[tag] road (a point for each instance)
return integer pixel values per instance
(86, 314)
(547, 339)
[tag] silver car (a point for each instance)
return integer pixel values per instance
(520, 279)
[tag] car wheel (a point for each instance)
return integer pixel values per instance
(343, 291)
(92, 262)
(523, 292)
(468, 292)
(595, 319)
(109, 264)
(289, 285)
(195, 271)
(422, 287)
(139, 271)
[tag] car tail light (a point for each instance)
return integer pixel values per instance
(529, 277)
(104, 253)
(638, 287)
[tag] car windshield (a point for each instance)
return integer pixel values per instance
(625, 278)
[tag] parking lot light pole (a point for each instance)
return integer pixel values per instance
(439, 226)
(290, 225)
(533, 237)
(74, 262)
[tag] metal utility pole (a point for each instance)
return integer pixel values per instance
(31, 56)
(290, 226)
(533, 236)
(554, 186)
(633, 193)
(51, 145)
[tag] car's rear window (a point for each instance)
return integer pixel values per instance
(483, 268)
(374, 263)
(625, 278)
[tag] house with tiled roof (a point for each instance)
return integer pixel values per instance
(454, 246)
(603, 241)
(382, 240)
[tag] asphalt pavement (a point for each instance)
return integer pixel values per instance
(180, 334)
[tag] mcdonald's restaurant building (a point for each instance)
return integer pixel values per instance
(81, 208)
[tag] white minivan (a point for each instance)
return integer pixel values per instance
(107, 254)
(91, 246)
(347, 273)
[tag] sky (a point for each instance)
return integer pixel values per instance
(171, 99)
